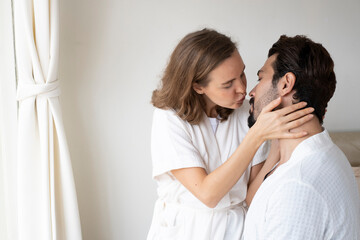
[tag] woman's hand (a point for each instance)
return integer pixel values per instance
(277, 124)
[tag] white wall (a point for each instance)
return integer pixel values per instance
(112, 56)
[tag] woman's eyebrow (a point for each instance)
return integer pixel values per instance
(228, 81)
(233, 78)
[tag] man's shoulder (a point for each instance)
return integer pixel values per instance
(319, 162)
(325, 168)
(292, 187)
(325, 173)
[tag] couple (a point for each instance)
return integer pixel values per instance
(210, 166)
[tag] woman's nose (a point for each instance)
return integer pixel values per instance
(241, 87)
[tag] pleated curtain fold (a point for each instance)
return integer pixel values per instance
(46, 198)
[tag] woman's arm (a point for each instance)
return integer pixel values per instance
(211, 188)
(255, 171)
(259, 171)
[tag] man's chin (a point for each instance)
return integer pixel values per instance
(251, 120)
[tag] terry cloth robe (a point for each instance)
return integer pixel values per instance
(312, 196)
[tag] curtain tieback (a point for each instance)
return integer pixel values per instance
(38, 90)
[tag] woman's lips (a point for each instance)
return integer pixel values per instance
(241, 100)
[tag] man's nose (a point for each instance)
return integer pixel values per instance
(252, 93)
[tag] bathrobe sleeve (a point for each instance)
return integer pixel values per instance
(171, 144)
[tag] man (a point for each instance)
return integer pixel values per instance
(311, 193)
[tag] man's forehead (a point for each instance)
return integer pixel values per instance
(268, 65)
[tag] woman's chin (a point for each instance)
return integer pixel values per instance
(238, 104)
(234, 106)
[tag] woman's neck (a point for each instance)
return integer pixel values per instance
(210, 108)
(211, 112)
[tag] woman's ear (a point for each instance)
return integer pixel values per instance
(199, 89)
(286, 83)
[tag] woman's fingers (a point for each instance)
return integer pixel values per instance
(273, 104)
(299, 122)
(279, 123)
(294, 135)
(298, 114)
(289, 109)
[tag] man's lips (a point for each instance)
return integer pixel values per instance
(251, 102)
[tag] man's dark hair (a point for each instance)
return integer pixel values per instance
(312, 66)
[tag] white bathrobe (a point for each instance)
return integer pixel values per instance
(175, 144)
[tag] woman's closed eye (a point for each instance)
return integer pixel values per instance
(228, 84)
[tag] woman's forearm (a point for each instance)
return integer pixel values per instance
(272, 159)
(211, 188)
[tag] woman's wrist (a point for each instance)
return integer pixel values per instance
(255, 137)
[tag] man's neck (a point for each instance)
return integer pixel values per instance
(287, 146)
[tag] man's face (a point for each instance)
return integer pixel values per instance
(264, 92)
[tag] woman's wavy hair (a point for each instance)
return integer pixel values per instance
(312, 66)
(196, 55)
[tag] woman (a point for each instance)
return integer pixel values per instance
(204, 155)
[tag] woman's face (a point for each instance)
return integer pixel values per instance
(227, 85)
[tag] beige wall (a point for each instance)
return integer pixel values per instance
(112, 55)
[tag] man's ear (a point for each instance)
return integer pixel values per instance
(199, 89)
(286, 84)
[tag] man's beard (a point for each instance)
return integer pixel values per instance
(251, 118)
(271, 95)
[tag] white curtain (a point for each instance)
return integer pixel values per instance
(46, 198)
(8, 126)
